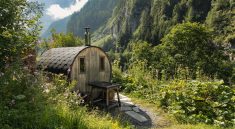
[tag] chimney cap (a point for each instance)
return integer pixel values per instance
(87, 28)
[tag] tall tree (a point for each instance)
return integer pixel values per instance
(19, 29)
(189, 45)
(221, 19)
(64, 40)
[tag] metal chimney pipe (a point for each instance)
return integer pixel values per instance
(87, 36)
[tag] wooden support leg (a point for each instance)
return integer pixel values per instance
(91, 96)
(107, 99)
(119, 102)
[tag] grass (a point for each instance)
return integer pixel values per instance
(63, 117)
(167, 118)
(164, 119)
(29, 102)
(190, 126)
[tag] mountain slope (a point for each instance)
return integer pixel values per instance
(150, 20)
(94, 14)
(46, 19)
(59, 26)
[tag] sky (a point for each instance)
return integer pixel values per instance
(56, 12)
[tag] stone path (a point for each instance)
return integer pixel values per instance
(130, 109)
(137, 115)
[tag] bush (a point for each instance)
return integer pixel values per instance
(138, 80)
(35, 101)
(190, 45)
(21, 100)
(195, 102)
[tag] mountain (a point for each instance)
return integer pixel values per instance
(60, 26)
(94, 14)
(150, 20)
(47, 20)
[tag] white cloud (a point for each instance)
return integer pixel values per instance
(57, 12)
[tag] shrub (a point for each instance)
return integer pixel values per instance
(117, 75)
(138, 80)
(34, 101)
(193, 102)
(21, 100)
(190, 45)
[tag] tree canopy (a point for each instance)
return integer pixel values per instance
(19, 29)
(189, 47)
(64, 40)
(60, 40)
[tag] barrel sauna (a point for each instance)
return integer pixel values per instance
(84, 64)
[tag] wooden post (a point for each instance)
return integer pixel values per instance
(107, 98)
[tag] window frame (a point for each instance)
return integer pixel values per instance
(102, 63)
(80, 66)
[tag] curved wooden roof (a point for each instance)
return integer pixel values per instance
(59, 60)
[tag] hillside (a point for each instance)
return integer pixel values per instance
(94, 14)
(46, 19)
(151, 20)
(59, 26)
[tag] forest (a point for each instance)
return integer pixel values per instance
(175, 57)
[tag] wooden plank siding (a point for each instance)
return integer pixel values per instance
(92, 72)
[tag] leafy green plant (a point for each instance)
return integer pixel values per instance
(21, 100)
(189, 45)
(19, 29)
(138, 80)
(195, 102)
(36, 101)
(60, 40)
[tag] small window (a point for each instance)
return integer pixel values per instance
(102, 63)
(82, 65)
